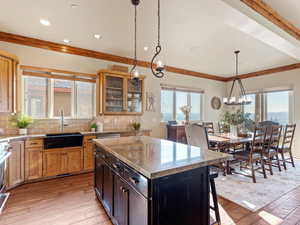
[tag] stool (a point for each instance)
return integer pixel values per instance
(212, 177)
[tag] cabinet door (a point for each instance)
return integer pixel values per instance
(89, 149)
(33, 163)
(6, 84)
(114, 94)
(99, 174)
(108, 179)
(135, 96)
(130, 207)
(75, 160)
(16, 164)
(52, 163)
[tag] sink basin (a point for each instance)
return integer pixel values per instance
(63, 140)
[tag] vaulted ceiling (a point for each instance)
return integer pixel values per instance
(196, 35)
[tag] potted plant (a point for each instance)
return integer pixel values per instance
(136, 126)
(93, 127)
(186, 110)
(234, 120)
(22, 122)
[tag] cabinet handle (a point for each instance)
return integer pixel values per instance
(134, 180)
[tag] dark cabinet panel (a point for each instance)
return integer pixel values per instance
(120, 202)
(108, 179)
(99, 175)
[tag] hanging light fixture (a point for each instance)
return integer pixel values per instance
(134, 73)
(157, 65)
(242, 98)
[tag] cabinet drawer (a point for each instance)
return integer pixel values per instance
(34, 143)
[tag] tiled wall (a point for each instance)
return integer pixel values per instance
(73, 125)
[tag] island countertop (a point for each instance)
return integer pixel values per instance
(156, 158)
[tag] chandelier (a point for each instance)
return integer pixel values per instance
(157, 65)
(242, 98)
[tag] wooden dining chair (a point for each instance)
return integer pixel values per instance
(209, 127)
(286, 145)
(270, 153)
(249, 159)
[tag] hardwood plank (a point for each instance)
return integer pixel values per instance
(67, 49)
(72, 201)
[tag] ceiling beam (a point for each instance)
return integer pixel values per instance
(273, 16)
(268, 71)
(33, 42)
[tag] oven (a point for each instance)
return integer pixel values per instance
(4, 154)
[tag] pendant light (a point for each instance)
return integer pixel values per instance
(242, 98)
(134, 73)
(157, 65)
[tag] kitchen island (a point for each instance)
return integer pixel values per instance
(149, 181)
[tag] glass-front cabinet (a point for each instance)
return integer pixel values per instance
(120, 94)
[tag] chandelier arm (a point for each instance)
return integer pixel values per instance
(231, 90)
(242, 88)
(158, 74)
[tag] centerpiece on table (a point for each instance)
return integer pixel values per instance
(234, 120)
(22, 122)
(186, 110)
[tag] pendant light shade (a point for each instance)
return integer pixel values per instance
(134, 73)
(242, 98)
(157, 66)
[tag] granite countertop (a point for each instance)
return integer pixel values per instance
(155, 158)
(85, 133)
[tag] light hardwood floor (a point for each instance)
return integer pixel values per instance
(71, 200)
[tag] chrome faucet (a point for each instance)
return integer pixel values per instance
(62, 120)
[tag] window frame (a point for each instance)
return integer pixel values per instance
(174, 90)
(50, 99)
(261, 103)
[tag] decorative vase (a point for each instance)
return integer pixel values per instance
(234, 130)
(93, 129)
(187, 118)
(23, 131)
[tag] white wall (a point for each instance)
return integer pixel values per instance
(284, 79)
(44, 58)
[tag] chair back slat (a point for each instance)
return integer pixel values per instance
(259, 139)
(288, 136)
(274, 138)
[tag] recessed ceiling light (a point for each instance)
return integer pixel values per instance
(66, 41)
(98, 36)
(146, 48)
(74, 5)
(45, 22)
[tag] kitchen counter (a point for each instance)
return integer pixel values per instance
(85, 133)
(155, 158)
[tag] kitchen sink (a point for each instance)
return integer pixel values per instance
(63, 140)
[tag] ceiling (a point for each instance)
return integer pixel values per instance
(197, 36)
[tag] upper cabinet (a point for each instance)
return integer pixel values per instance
(120, 94)
(8, 75)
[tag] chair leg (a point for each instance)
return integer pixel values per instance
(278, 162)
(263, 168)
(292, 160)
(253, 171)
(270, 165)
(283, 159)
(215, 200)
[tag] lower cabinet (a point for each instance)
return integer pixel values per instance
(123, 203)
(16, 164)
(62, 161)
(33, 163)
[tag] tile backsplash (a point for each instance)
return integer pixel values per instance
(43, 126)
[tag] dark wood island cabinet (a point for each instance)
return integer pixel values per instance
(148, 181)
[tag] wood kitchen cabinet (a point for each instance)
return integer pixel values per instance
(8, 75)
(15, 167)
(62, 161)
(88, 153)
(33, 159)
(119, 95)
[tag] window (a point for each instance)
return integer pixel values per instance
(172, 100)
(276, 106)
(36, 97)
(46, 97)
